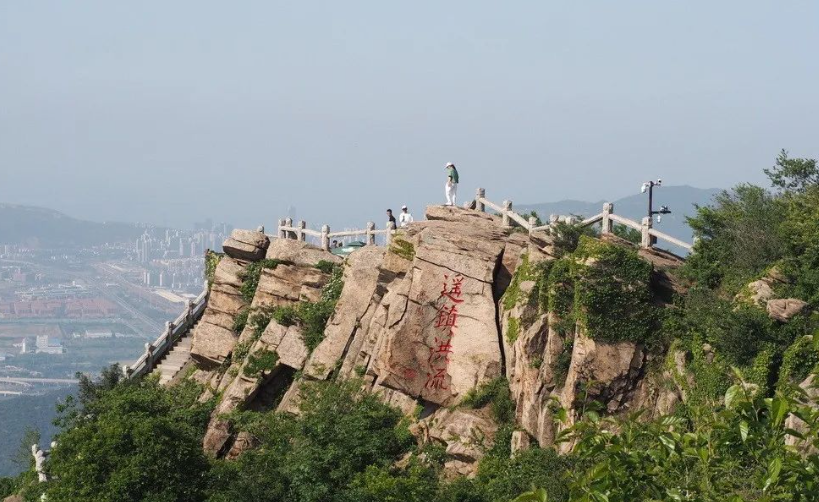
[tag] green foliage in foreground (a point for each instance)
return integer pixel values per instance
(738, 454)
(130, 441)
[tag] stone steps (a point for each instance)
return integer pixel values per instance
(173, 362)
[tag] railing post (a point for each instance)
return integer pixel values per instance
(126, 371)
(507, 206)
(300, 235)
(370, 235)
(532, 223)
(149, 356)
(608, 208)
(281, 233)
(288, 222)
(480, 194)
(388, 235)
(325, 237)
(645, 241)
(168, 332)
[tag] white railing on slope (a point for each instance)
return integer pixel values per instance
(155, 351)
(300, 232)
(607, 218)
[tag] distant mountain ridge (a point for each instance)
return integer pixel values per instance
(681, 200)
(39, 227)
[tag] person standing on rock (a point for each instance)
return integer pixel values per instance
(391, 219)
(405, 218)
(451, 187)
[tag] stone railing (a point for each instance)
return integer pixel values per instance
(300, 232)
(606, 218)
(175, 330)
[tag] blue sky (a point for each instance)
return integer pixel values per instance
(170, 112)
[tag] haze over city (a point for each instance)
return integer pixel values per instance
(169, 113)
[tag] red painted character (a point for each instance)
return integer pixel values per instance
(444, 347)
(437, 380)
(447, 317)
(453, 292)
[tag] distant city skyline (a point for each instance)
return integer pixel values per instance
(169, 113)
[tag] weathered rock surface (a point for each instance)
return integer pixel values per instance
(299, 253)
(247, 245)
(213, 336)
(759, 292)
(293, 280)
(358, 300)
(446, 341)
(463, 433)
(785, 309)
(811, 389)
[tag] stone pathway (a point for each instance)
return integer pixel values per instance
(175, 360)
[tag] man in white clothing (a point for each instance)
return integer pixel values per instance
(451, 184)
(405, 217)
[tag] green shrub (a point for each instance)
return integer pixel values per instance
(500, 479)
(403, 248)
(799, 360)
(495, 392)
(558, 290)
(513, 329)
(322, 454)
(240, 321)
(613, 298)
(133, 441)
(326, 266)
(260, 362)
(212, 260)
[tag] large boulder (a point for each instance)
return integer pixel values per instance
(299, 253)
(465, 434)
(446, 341)
(758, 292)
(247, 245)
(785, 309)
(359, 298)
(213, 336)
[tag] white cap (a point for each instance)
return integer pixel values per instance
(403, 207)
(449, 164)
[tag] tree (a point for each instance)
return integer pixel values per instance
(793, 175)
(130, 441)
(740, 236)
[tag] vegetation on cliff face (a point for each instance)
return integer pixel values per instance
(212, 259)
(312, 317)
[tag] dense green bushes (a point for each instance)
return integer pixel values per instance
(130, 441)
(736, 454)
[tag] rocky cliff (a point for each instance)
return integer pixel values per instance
(454, 304)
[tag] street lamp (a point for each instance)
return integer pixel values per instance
(648, 186)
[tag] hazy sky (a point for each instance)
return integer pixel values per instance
(170, 112)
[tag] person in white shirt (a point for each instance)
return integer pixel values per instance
(451, 187)
(405, 218)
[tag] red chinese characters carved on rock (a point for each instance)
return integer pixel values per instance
(446, 320)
